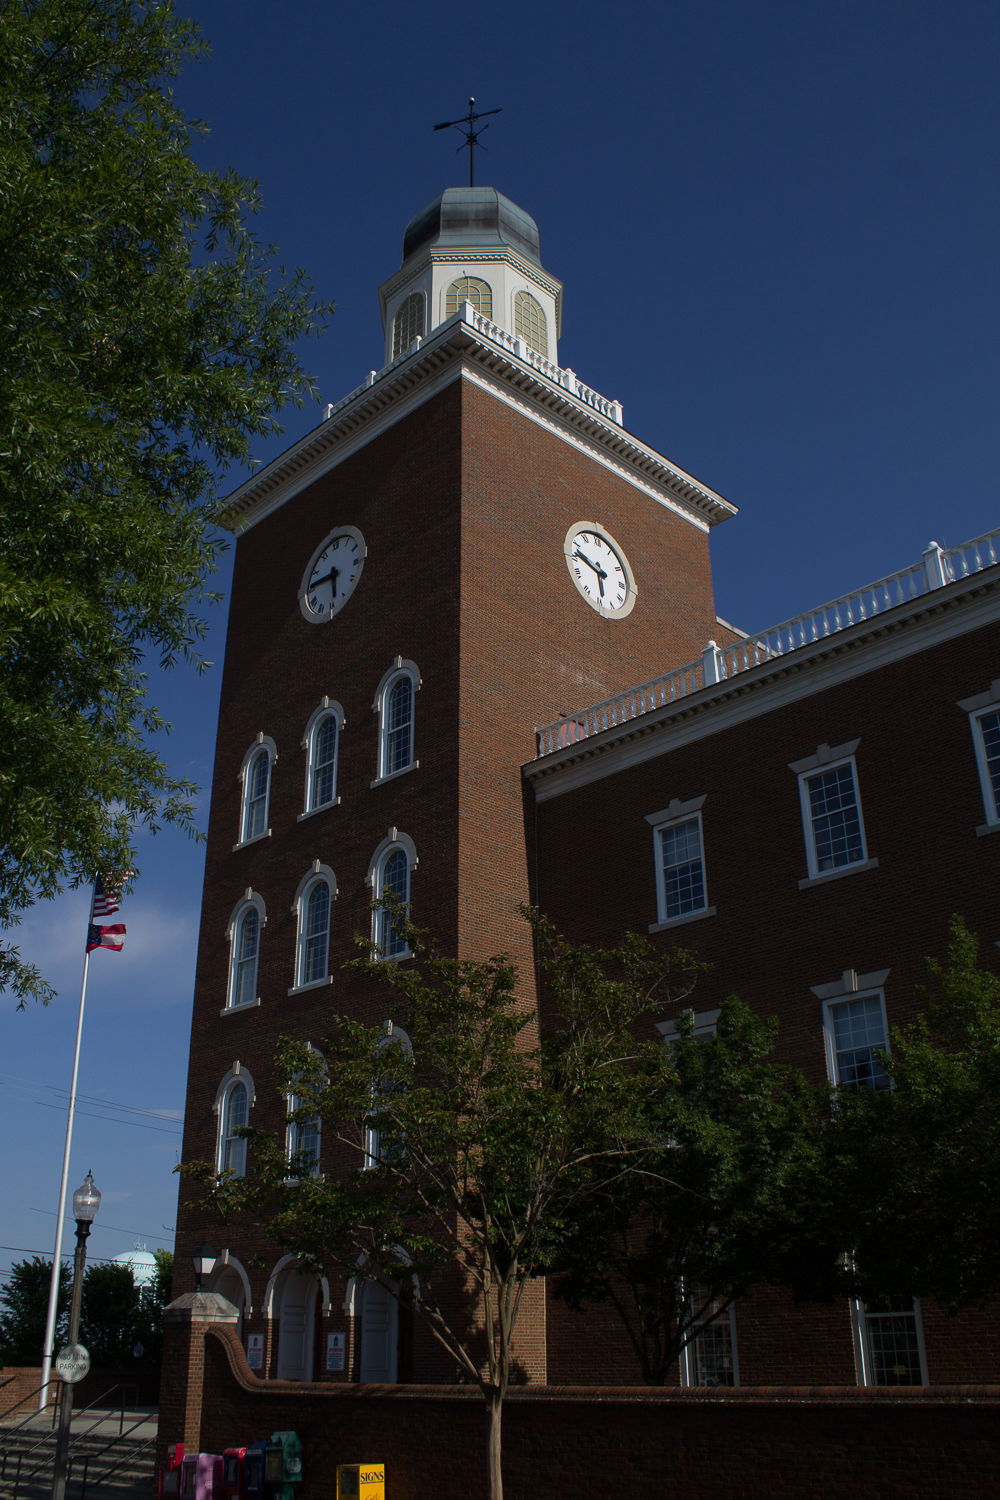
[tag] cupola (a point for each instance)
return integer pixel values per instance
(472, 245)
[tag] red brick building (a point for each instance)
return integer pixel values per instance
(472, 545)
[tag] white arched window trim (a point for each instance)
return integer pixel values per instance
(394, 841)
(227, 1260)
(250, 901)
(328, 708)
(300, 910)
(255, 806)
(388, 733)
(272, 1282)
(350, 1304)
(237, 1077)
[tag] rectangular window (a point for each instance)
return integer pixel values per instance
(889, 1342)
(831, 812)
(986, 731)
(680, 863)
(855, 1034)
(710, 1357)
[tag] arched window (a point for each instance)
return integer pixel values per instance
(245, 927)
(302, 1138)
(322, 747)
(389, 878)
(530, 324)
(408, 323)
(255, 774)
(469, 289)
(394, 703)
(382, 1142)
(313, 901)
(232, 1107)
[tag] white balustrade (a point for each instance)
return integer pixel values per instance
(936, 569)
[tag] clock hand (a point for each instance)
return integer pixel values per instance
(333, 573)
(596, 566)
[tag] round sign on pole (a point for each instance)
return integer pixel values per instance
(73, 1363)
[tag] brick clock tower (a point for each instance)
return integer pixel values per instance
(468, 545)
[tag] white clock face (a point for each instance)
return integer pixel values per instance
(600, 570)
(332, 575)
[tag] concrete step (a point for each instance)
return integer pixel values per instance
(112, 1468)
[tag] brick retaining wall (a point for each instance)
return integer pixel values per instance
(595, 1443)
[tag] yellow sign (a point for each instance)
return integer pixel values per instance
(361, 1482)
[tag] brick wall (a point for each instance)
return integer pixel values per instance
(820, 1443)
(17, 1384)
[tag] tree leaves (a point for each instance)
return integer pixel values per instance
(145, 340)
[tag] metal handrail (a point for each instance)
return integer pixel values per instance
(26, 1453)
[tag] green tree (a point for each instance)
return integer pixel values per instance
(109, 1313)
(481, 1144)
(912, 1170)
(25, 1302)
(145, 339)
(713, 1203)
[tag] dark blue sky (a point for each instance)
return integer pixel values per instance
(779, 233)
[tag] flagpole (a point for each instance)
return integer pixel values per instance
(50, 1323)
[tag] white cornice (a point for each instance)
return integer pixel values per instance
(451, 351)
(939, 616)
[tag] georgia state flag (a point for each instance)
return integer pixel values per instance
(106, 937)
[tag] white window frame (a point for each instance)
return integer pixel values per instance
(824, 760)
(393, 842)
(372, 1144)
(237, 1075)
(300, 910)
(251, 900)
(398, 327)
(850, 987)
(328, 709)
(694, 1349)
(673, 816)
(400, 669)
(479, 295)
(978, 708)
(262, 745)
(862, 1320)
(530, 322)
(704, 1023)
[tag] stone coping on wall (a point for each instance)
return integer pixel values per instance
(747, 1395)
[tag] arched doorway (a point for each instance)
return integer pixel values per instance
(296, 1303)
(379, 1335)
(228, 1282)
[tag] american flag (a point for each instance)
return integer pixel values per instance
(107, 900)
(108, 894)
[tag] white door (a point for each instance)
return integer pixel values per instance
(297, 1314)
(379, 1335)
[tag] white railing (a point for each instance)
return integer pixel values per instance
(936, 568)
(567, 380)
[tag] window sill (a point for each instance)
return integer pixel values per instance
(689, 916)
(394, 775)
(828, 875)
(987, 828)
(311, 812)
(314, 984)
(229, 1010)
(244, 843)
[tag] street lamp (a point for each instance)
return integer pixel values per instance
(204, 1264)
(86, 1202)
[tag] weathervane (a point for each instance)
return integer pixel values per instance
(471, 134)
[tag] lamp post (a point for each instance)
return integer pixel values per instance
(204, 1264)
(86, 1202)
